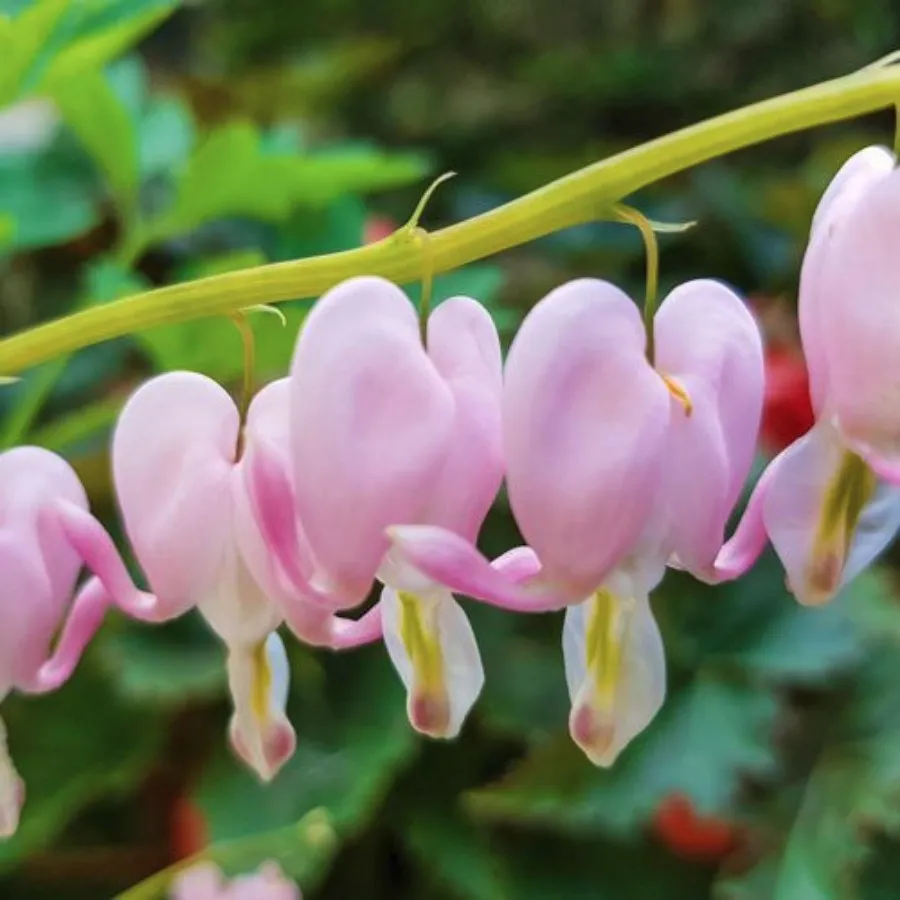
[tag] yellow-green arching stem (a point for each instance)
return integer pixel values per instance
(572, 200)
(248, 343)
(651, 249)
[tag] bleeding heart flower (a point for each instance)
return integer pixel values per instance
(827, 502)
(204, 881)
(182, 467)
(613, 469)
(39, 571)
(389, 430)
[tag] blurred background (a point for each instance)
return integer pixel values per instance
(145, 143)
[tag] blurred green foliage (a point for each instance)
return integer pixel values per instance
(248, 132)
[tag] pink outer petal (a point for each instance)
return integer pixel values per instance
(706, 335)
(451, 561)
(371, 418)
(859, 321)
(694, 495)
(464, 346)
(89, 539)
(172, 456)
(37, 565)
(271, 497)
(864, 168)
(26, 632)
(85, 618)
(584, 424)
(745, 546)
(861, 172)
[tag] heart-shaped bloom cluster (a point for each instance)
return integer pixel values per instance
(347, 502)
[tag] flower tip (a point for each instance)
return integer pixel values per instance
(594, 733)
(822, 581)
(12, 798)
(429, 714)
(276, 748)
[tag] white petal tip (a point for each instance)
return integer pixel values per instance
(13, 798)
(273, 749)
(595, 734)
(430, 715)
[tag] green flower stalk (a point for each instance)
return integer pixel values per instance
(582, 196)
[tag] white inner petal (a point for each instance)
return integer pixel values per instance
(615, 668)
(433, 648)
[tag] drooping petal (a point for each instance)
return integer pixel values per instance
(370, 419)
(615, 668)
(745, 546)
(584, 422)
(259, 678)
(825, 514)
(464, 346)
(433, 648)
(270, 496)
(172, 455)
(38, 568)
(445, 558)
(852, 181)
(89, 539)
(88, 611)
(705, 335)
(271, 538)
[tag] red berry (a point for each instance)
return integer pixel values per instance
(690, 835)
(787, 411)
(188, 833)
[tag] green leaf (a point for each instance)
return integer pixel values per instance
(230, 173)
(106, 280)
(71, 748)
(99, 32)
(310, 233)
(169, 664)
(166, 136)
(47, 197)
(320, 178)
(544, 867)
(758, 626)
(103, 126)
(87, 422)
(707, 738)
(21, 42)
(452, 851)
(525, 693)
(455, 852)
(349, 750)
(826, 825)
(480, 280)
(30, 397)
